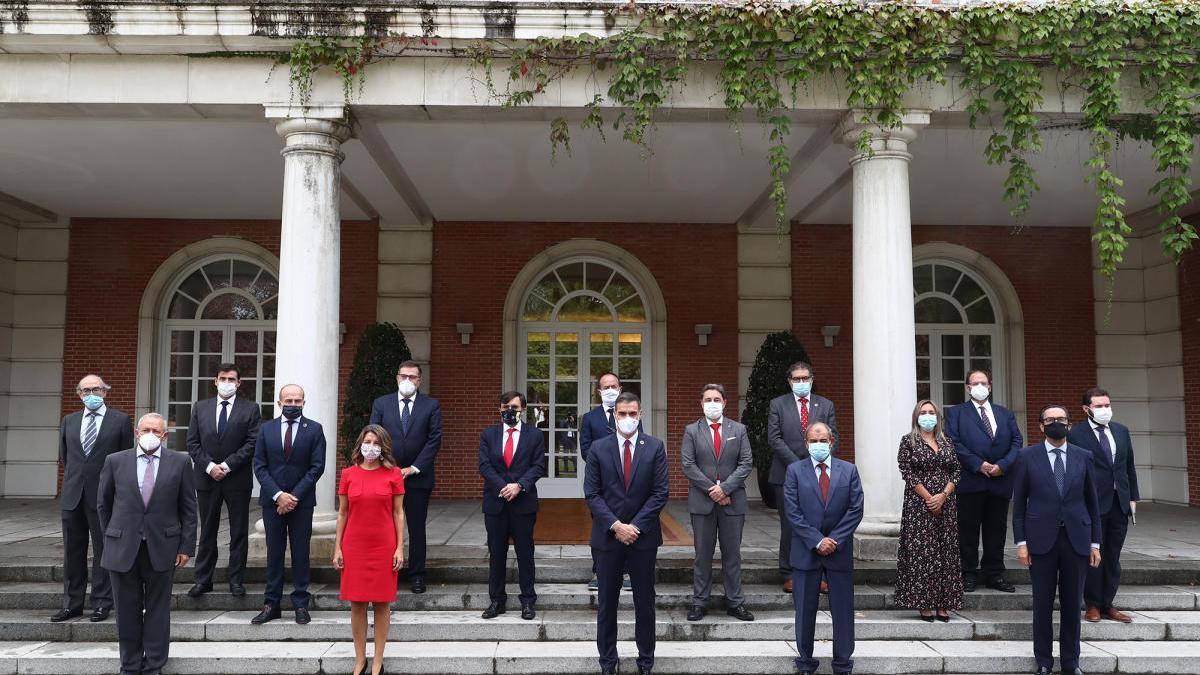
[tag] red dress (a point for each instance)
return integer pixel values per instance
(369, 540)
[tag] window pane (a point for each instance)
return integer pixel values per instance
(566, 367)
(267, 410)
(630, 344)
(601, 366)
(183, 341)
(619, 289)
(537, 416)
(247, 364)
(584, 308)
(571, 276)
(181, 390)
(208, 366)
(195, 286)
(268, 366)
(953, 393)
(923, 391)
(271, 310)
(632, 310)
(537, 368)
(181, 365)
(265, 288)
(268, 396)
(629, 368)
(539, 392)
(968, 291)
(178, 416)
(923, 279)
(538, 343)
(981, 312)
(219, 273)
(952, 345)
(981, 345)
(954, 370)
(536, 309)
(269, 343)
(549, 289)
(635, 386)
(211, 341)
(600, 344)
(566, 343)
(177, 439)
(922, 369)
(945, 278)
(937, 310)
(230, 306)
(922, 344)
(566, 392)
(245, 342)
(597, 276)
(182, 308)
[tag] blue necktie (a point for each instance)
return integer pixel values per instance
(1104, 444)
(1060, 470)
(223, 419)
(404, 416)
(89, 437)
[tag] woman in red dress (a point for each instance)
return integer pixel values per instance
(370, 539)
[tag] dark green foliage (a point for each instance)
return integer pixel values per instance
(381, 350)
(768, 379)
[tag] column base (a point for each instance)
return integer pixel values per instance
(877, 538)
(320, 546)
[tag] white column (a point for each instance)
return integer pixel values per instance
(885, 377)
(310, 247)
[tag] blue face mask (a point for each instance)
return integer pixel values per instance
(819, 451)
(927, 422)
(801, 388)
(92, 402)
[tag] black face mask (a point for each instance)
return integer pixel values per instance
(510, 416)
(292, 411)
(1055, 431)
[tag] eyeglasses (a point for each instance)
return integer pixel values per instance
(408, 377)
(1052, 420)
(800, 379)
(93, 390)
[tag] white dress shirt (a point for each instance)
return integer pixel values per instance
(99, 420)
(143, 463)
(1050, 457)
(1112, 442)
(516, 436)
(217, 421)
(987, 406)
(828, 468)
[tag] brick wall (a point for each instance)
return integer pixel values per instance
(474, 264)
(1189, 320)
(1050, 269)
(112, 260)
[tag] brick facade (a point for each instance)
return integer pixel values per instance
(1189, 320)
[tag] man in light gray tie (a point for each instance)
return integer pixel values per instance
(147, 508)
(716, 460)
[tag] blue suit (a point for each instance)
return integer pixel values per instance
(1116, 486)
(417, 448)
(593, 427)
(296, 474)
(1059, 531)
(504, 519)
(983, 501)
(639, 505)
(811, 520)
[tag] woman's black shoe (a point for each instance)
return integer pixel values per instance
(927, 618)
(944, 618)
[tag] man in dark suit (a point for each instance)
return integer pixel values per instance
(512, 457)
(147, 506)
(987, 440)
(85, 438)
(289, 458)
(788, 420)
(716, 460)
(1116, 492)
(414, 422)
(220, 439)
(823, 501)
(598, 423)
(625, 485)
(1056, 525)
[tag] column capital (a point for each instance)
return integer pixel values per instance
(319, 129)
(884, 142)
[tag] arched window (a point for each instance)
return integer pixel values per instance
(957, 330)
(220, 310)
(583, 317)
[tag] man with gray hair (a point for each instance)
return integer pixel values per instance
(85, 438)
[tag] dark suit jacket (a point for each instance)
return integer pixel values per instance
(974, 446)
(701, 465)
(528, 465)
(593, 427)
(784, 434)
(1120, 476)
(81, 475)
(1038, 508)
(609, 501)
(812, 519)
(168, 522)
(297, 474)
(235, 448)
(419, 447)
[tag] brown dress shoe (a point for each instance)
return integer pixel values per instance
(1117, 615)
(1092, 614)
(787, 586)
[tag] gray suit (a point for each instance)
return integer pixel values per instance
(787, 441)
(142, 542)
(711, 521)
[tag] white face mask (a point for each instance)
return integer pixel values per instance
(980, 392)
(370, 452)
(407, 388)
(149, 442)
(608, 397)
(1102, 415)
(627, 425)
(713, 410)
(226, 389)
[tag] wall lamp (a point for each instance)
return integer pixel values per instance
(464, 331)
(703, 330)
(830, 332)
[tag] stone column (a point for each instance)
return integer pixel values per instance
(885, 374)
(310, 280)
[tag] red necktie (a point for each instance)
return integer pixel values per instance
(508, 448)
(824, 482)
(804, 415)
(628, 462)
(287, 440)
(717, 444)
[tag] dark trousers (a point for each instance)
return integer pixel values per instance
(640, 566)
(519, 526)
(237, 505)
(785, 535)
(143, 615)
(1103, 581)
(1059, 571)
(416, 510)
(806, 596)
(291, 530)
(78, 526)
(986, 514)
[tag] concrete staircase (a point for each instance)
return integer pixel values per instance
(441, 631)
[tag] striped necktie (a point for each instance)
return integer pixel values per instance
(89, 436)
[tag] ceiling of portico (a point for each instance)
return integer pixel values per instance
(496, 169)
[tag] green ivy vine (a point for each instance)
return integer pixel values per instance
(1007, 57)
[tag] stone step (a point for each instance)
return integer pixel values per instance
(486, 657)
(580, 625)
(759, 597)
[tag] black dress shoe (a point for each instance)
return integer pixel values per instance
(237, 590)
(302, 616)
(1077, 671)
(493, 610)
(198, 590)
(99, 614)
(268, 613)
(969, 584)
(418, 585)
(64, 614)
(1002, 586)
(644, 671)
(695, 613)
(607, 671)
(1043, 671)
(797, 671)
(527, 612)
(740, 613)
